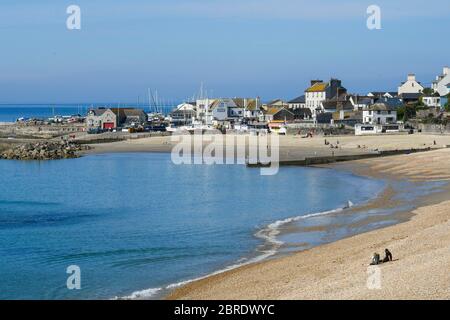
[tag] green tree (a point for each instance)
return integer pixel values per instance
(428, 91)
(401, 112)
(447, 107)
(406, 112)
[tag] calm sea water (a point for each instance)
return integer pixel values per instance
(133, 222)
(10, 113)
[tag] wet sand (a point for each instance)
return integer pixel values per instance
(339, 270)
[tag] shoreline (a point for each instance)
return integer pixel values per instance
(252, 281)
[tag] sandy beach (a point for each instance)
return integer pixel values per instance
(297, 147)
(339, 270)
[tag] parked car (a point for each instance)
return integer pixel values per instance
(95, 131)
(156, 128)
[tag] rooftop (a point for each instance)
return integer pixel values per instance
(380, 107)
(317, 87)
(300, 99)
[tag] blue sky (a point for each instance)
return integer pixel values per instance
(266, 48)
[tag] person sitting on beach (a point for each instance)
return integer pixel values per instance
(388, 256)
(375, 259)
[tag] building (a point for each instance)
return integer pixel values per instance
(110, 118)
(361, 102)
(314, 96)
(251, 107)
(277, 103)
(347, 117)
(204, 109)
(390, 102)
(372, 129)
(235, 109)
(184, 114)
(379, 113)
(226, 109)
(410, 85)
(410, 98)
(210, 111)
(432, 101)
(301, 114)
(277, 114)
(442, 82)
(131, 117)
(101, 118)
(320, 91)
(382, 94)
(337, 103)
(297, 103)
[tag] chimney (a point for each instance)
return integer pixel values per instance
(335, 82)
(411, 77)
(446, 71)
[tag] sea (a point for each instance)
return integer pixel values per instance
(12, 112)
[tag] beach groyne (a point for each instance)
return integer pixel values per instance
(310, 161)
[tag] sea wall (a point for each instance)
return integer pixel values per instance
(36, 130)
(319, 129)
(433, 128)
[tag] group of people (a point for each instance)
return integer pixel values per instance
(327, 143)
(376, 259)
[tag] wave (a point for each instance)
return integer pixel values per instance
(141, 294)
(268, 234)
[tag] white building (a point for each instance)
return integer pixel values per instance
(432, 101)
(184, 114)
(380, 113)
(252, 107)
(204, 109)
(210, 111)
(371, 129)
(297, 103)
(319, 92)
(441, 84)
(382, 94)
(226, 109)
(314, 96)
(361, 102)
(410, 85)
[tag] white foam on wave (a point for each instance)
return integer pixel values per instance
(269, 234)
(143, 294)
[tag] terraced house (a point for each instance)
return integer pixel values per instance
(319, 92)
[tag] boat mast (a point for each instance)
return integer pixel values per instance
(149, 101)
